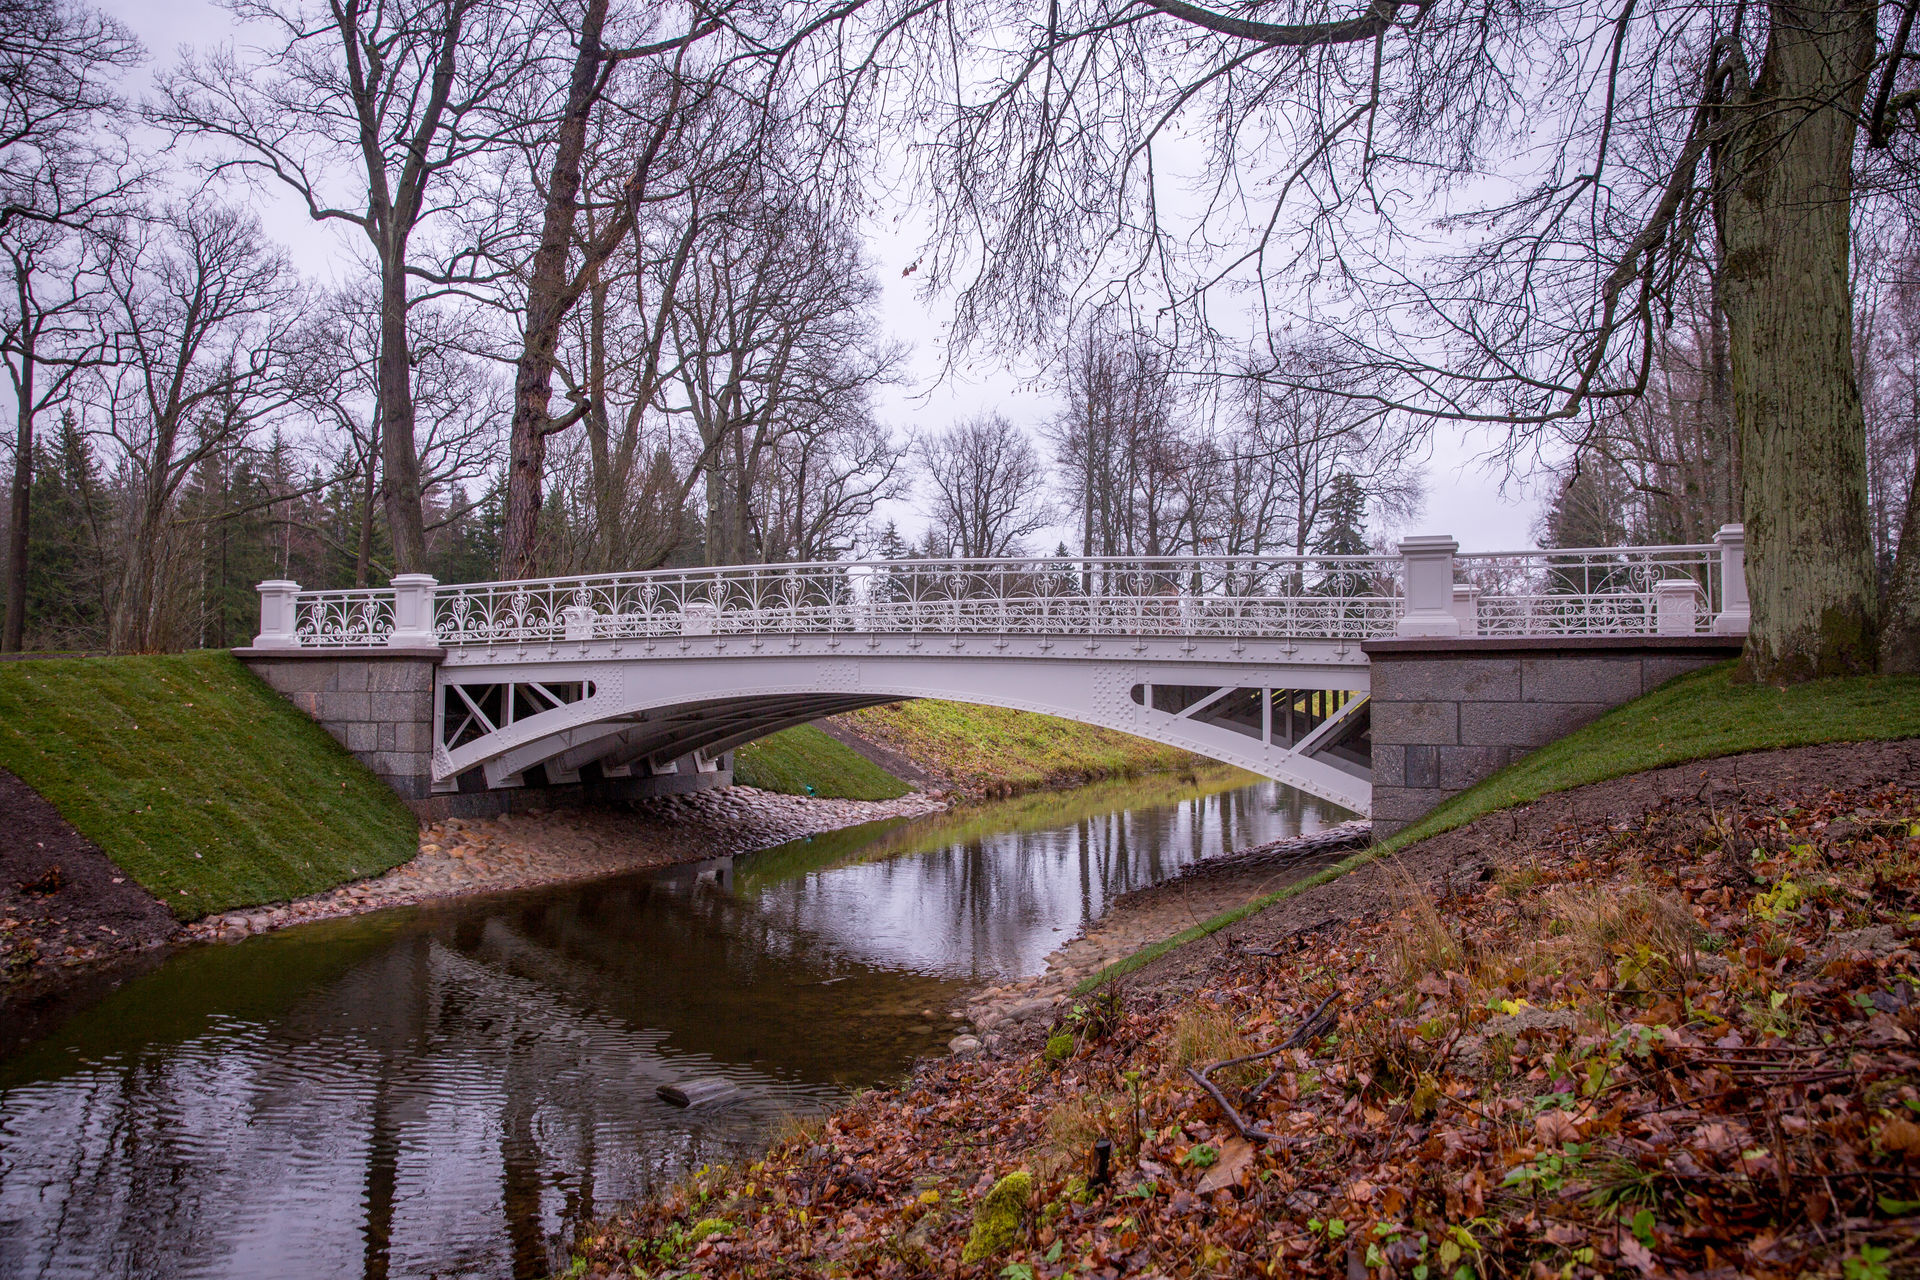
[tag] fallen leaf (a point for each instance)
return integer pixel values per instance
(1236, 1157)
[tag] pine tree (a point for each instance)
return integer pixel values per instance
(1343, 532)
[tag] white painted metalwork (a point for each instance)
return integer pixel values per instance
(357, 619)
(1351, 597)
(1256, 659)
(1597, 591)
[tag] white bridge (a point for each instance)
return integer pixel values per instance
(1255, 661)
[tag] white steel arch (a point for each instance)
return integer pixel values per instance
(1254, 660)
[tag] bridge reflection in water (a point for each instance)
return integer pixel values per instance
(455, 1090)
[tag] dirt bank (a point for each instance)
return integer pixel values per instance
(1660, 1026)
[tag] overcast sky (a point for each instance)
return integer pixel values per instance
(1462, 498)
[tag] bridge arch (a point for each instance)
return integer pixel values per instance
(1301, 722)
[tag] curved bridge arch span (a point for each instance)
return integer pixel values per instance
(1298, 717)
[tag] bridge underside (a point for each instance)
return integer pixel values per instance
(1302, 719)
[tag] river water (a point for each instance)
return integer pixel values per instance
(452, 1090)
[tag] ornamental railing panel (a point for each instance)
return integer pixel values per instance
(1593, 591)
(1598, 591)
(1347, 597)
(354, 619)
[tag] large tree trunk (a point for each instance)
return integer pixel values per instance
(1783, 188)
(550, 295)
(398, 459)
(14, 634)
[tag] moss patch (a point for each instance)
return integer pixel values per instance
(803, 761)
(998, 1219)
(1699, 716)
(199, 781)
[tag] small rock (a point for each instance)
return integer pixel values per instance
(963, 1046)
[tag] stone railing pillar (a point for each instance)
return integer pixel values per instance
(1428, 566)
(1466, 607)
(413, 612)
(279, 615)
(1676, 606)
(1736, 609)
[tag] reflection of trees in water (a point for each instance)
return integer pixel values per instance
(458, 1092)
(995, 905)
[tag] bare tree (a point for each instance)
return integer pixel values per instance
(1119, 448)
(987, 487)
(568, 257)
(772, 333)
(197, 303)
(371, 114)
(1360, 148)
(1304, 421)
(58, 177)
(58, 62)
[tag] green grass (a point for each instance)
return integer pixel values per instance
(995, 749)
(1695, 717)
(804, 761)
(199, 781)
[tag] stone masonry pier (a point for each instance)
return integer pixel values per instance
(1448, 712)
(378, 704)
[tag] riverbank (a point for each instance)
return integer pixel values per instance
(1657, 1026)
(460, 857)
(1145, 916)
(64, 922)
(996, 752)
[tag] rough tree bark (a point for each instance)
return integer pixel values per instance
(1783, 189)
(550, 295)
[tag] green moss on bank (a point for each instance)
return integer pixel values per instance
(804, 761)
(995, 749)
(1695, 717)
(199, 781)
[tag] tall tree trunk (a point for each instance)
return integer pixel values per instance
(14, 634)
(398, 459)
(1783, 185)
(550, 295)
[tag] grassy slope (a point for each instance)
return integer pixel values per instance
(1695, 717)
(992, 748)
(794, 759)
(198, 780)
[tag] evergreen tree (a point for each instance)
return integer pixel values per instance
(1343, 532)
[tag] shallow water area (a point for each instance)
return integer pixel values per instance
(453, 1090)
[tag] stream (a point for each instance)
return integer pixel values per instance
(455, 1089)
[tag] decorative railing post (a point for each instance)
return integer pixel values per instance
(279, 615)
(1428, 567)
(1676, 606)
(413, 612)
(1466, 607)
(1736, 610)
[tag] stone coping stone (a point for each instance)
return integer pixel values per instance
(250, 654)
(1473, 646)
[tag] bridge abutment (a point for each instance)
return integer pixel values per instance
(378, 704)
(1449, 712)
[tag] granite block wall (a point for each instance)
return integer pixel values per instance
(1447, 713)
